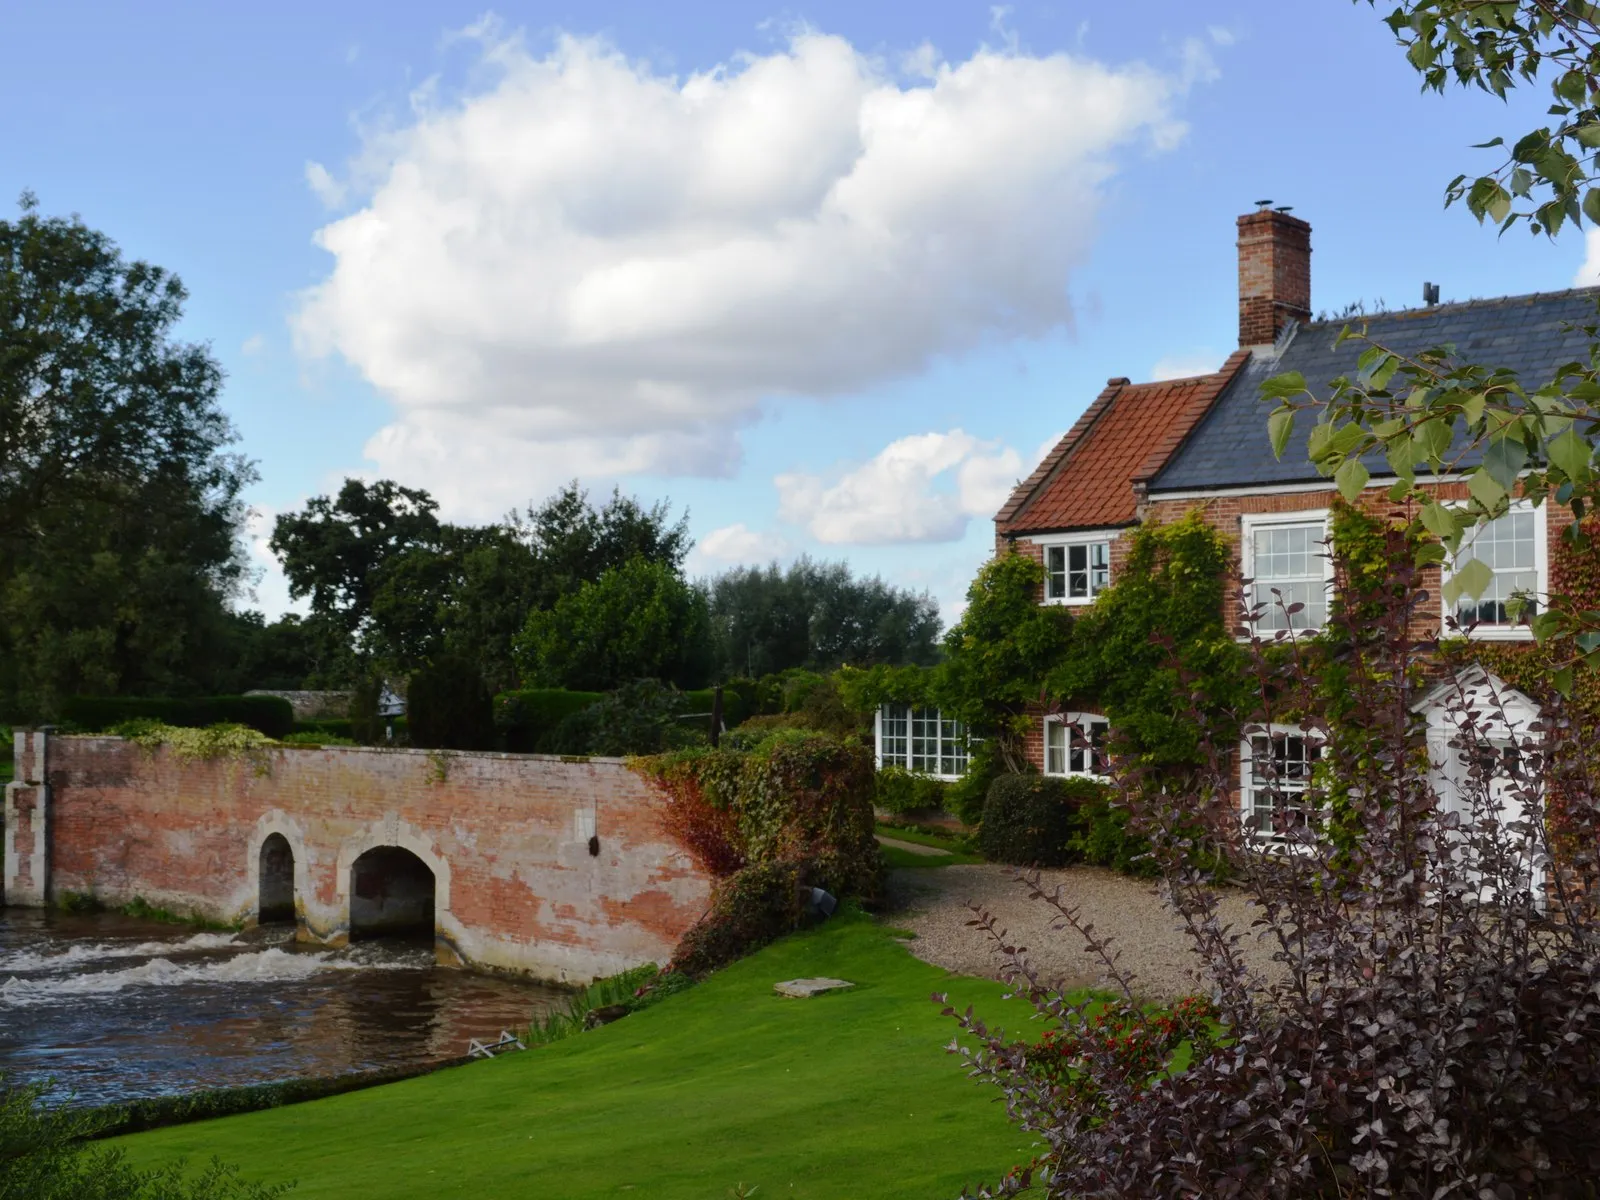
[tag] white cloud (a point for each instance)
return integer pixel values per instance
(922, 488)
(269, 587)
(1184, 366)
(253, 345)
(324, 186)
(1589, 273)
(584, 262)
(739, 543)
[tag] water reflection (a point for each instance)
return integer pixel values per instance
(114, 1008)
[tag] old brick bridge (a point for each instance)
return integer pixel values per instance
(525, 863)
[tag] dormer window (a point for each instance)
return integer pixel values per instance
(1076, 571)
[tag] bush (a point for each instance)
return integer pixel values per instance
(271, 715)
(1102, 838)
(903, 791)
(526, 720)
(1029, 820)
(751, 908)
(310, 737)
(797, 807)
(448, 707)
(331, 727)
(701, 700)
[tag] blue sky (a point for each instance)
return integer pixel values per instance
(827, 275)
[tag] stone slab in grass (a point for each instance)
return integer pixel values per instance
(802, 988)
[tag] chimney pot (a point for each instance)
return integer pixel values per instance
(1274, 274)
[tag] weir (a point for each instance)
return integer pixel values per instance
(542, 866)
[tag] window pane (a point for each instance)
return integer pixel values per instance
(1055, 572)
(892, 749)
(1099, 567)
(1280, 774)
(1077, 571)
(925, 740)
(952, 748)
(1289, 559)
(1507, 547)
(1055, 748)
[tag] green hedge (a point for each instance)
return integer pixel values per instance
(903, 791)
(525, 721)
(271, 715)
(449, 708)
(1033, 820)
(341, 727)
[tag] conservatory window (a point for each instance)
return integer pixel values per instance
(1512, 547)
(1275, 775)
(1287, 555)
(921, 739)
(1074, 744)
(1077, 572)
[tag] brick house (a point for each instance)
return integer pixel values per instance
(1156, 451)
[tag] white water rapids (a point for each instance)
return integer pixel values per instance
(109, 1007)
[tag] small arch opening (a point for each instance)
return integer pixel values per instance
(276, 901)
(391, 895)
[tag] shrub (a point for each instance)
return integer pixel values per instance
(526, 720)
(311, 737)
(1030, 819)
(330, 727)
(271, 715)
(448, 707)
(798, 805)
(903, 791)
(1101, 838)
(751, 908)
(701, 700)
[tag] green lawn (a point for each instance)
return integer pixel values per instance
(848, 1095)
(895, 856)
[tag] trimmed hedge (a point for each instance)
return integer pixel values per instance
(903, 791)
(733, 706)
(340, 727)
(1032, 820)
(526, 720)
(271, 715)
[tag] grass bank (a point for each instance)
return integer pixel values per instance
(844, 1095)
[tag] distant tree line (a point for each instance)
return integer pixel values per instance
(122, 563)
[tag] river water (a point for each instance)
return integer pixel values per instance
(114, 1008)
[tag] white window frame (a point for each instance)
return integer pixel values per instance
(1247, 790)
(1062, 542)
(1541, 573)
(1249, 524)
(1072, 723)
(944, 728)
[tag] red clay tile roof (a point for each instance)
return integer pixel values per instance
(1123, 438)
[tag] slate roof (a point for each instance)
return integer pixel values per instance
(1087, 480)
(1229, 447)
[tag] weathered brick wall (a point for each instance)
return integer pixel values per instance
(506, 836)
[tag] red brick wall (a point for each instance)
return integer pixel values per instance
(505, 835)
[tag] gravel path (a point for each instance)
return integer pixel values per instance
(1154, 949)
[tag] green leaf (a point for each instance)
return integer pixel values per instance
(1317, 443)
(1402, 458)
(1429, 554)
(1433, 438)
(1472, 408)
(1350, 478)
(1399, 490)
(1486, 490)
(1438, 520)
(1283, 387)
(1280, 426)
(1591, 205)
(1498, 206)
(1571, 454)
(1562, 681)
(1545, 625)
(1504, 459)
(1472, 578)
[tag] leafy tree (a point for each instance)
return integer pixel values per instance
(816, 616)
(639, 620)
(577, 543)
(119, 507)
(336, 551)
(1000, 654)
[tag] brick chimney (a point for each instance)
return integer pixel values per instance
(1274, 275)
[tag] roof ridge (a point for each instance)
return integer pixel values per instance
(1456, 305)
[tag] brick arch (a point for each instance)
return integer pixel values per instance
(279, 822)
(393, 831)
